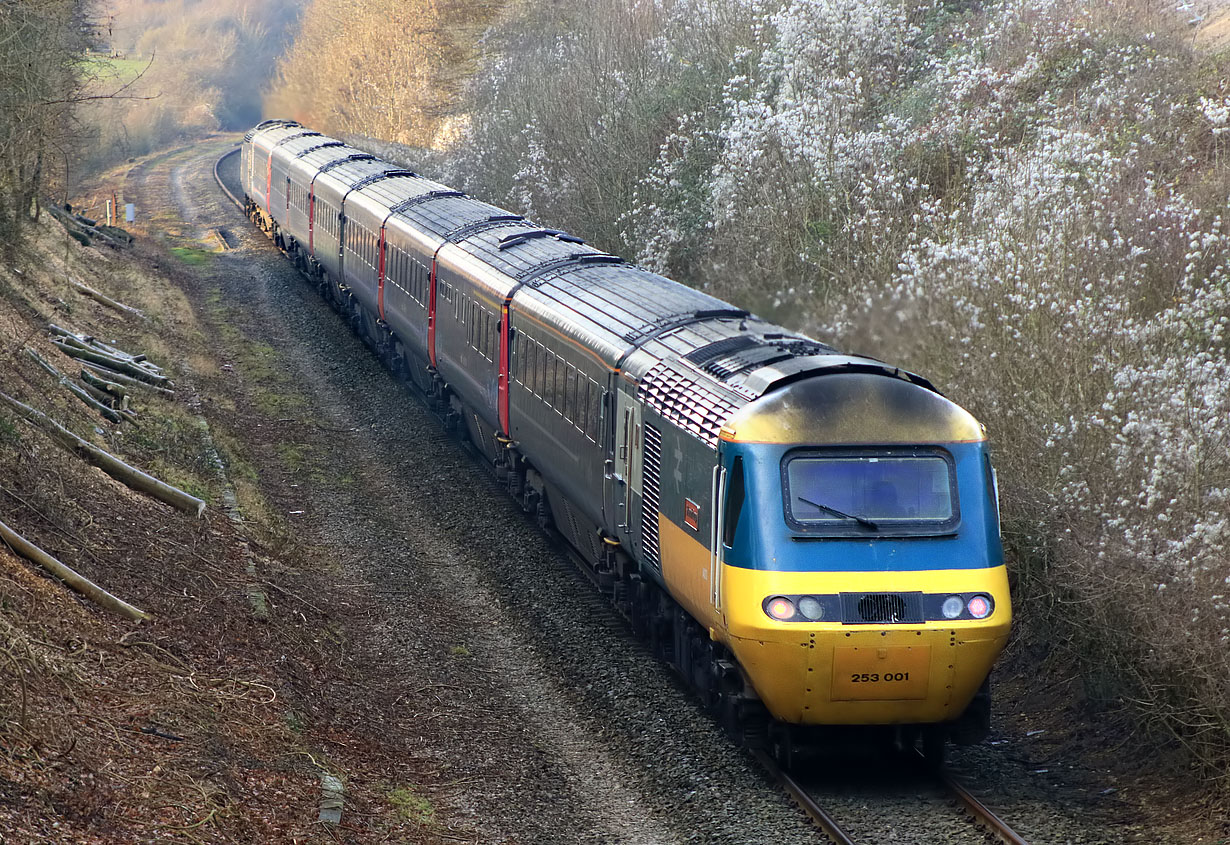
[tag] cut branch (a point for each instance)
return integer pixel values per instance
(111, 388)
(119, 365)
(126, 381)
(93, 344)
(108, 463)
(23, 547)
(106, 411)
(98, 296)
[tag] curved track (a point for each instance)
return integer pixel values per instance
(219, 180)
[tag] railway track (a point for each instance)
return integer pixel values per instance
(219, 180)
(990, 825)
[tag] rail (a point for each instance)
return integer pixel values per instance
(992, 824)
(808, 804)
(218, 176)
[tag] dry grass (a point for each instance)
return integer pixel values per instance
(213, 722)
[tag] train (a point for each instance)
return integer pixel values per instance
(810, 537)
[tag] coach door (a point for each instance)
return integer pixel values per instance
(626, 475)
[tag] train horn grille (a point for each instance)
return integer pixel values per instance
(881, 608)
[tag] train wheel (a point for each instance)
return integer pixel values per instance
(783, 746)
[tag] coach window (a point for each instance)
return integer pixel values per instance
(555, 381)
(548, 376)
(736, 491)
(536, 368)
(582, 401)
(595, 411)
(539, 363)
(564, 383)
(540, 371)
(529, 365)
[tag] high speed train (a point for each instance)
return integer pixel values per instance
(810, 537)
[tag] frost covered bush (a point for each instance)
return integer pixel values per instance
(1022, 199)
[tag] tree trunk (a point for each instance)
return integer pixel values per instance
(24, 548)
(108, 463)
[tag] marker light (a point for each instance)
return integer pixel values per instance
(979, 607)
(811, 608)
(780, 609)
(952, 607)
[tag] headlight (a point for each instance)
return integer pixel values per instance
(780, 608)
(979, 607)
(811, 608)
(952, 607)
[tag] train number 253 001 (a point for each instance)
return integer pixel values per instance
(876, 677)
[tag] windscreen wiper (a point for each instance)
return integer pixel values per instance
(861, 520)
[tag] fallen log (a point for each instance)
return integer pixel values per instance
(115, 403)
(108, 463)
(111, 362)
(76, 225)
(81, 393)
(24, 548)
(98, 382)
(127, 381)
(92, 344)
(98, 296)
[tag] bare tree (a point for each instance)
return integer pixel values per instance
(391, 69)
(42, 47)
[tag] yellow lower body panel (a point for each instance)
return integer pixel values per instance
(829, 673)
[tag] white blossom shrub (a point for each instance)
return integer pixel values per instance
(1021, 199)
(574, 101)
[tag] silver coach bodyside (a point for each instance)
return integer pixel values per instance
(330, 184)
(296, 183)
(255, 158)
(409, 252)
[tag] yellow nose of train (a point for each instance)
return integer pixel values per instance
(866, 672)
(860, 576)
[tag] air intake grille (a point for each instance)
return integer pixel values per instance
(685, 402)
(881, 608)
(651, 476)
